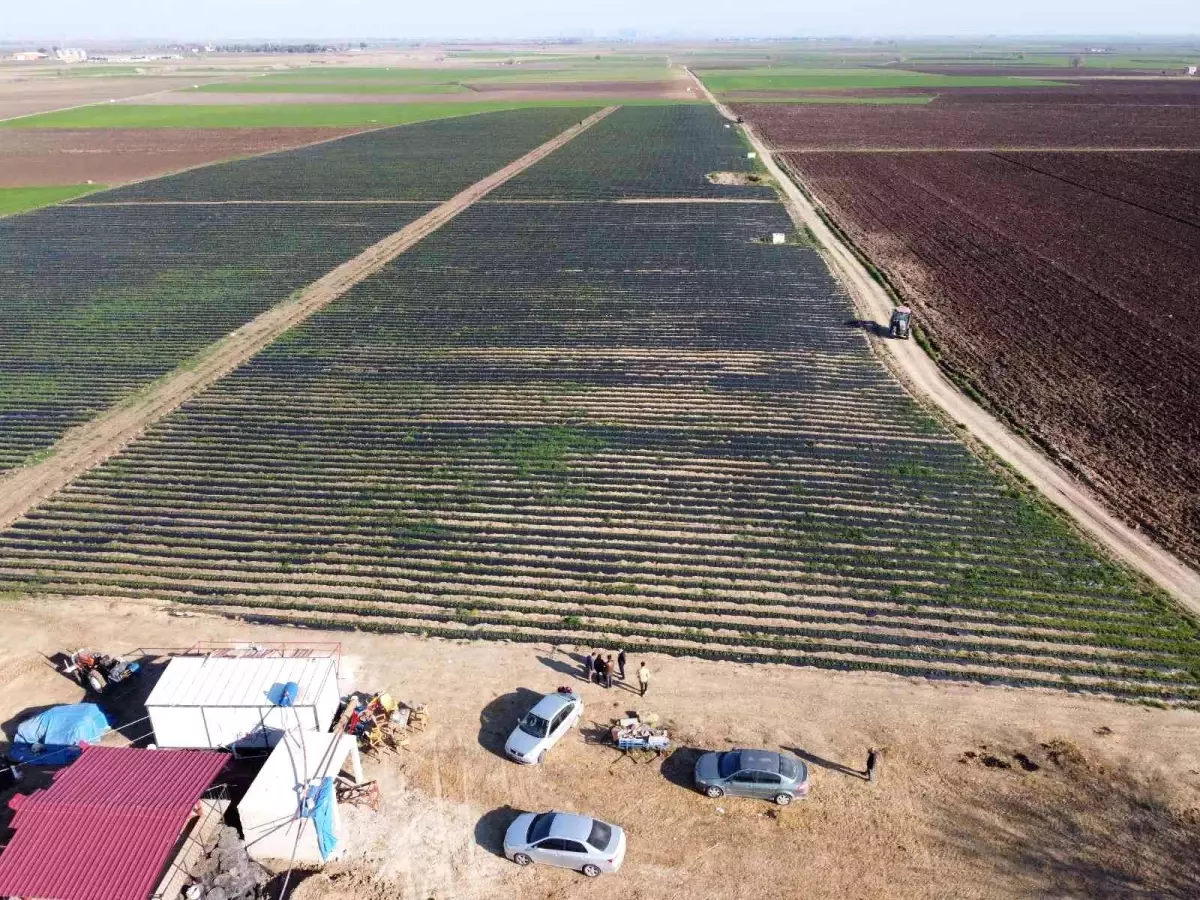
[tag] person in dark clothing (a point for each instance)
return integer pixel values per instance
(601, 671)
(872, 762)
(589, 666)
(621, 664)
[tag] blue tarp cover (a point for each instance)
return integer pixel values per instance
(57, 734)
(321, 812)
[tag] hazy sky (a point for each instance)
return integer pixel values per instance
(64, 20)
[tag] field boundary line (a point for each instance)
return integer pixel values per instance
(925, 379)
(1023, 149)
(624, 201)
(89, 444)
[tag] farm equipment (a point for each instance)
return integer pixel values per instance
(901, 320)
(99, 671)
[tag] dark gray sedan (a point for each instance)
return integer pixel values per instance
(752, 773)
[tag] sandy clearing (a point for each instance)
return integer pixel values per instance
(925, 380)
(1115, 816)
(89, 444)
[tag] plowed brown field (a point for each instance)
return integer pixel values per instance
(1064, 286)
(115, 156)
(986, 124)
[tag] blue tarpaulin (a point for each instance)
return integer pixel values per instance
(52, 738)
(321, 812)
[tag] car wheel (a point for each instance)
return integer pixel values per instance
(591, 871)
(713, 791)
(541, 757)
(522, 859)
(96, 681)
(783, 799)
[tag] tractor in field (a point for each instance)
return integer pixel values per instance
(99, 670)
(901, 321)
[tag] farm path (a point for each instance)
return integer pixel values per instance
(86, 446)
(921, 375)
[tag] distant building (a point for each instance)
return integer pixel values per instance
(28, 55)
(1191, 70)
(70, 54)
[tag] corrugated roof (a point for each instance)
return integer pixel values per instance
(215, 681)
(105, 829)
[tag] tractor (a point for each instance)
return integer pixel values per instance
(99, 671)
(901, 320)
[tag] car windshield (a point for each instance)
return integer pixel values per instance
(601, 834)
(787, 766)
(535, 725)
(539, 827)
(729, 763)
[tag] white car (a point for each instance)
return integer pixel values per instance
(567, 840)
(543, 726)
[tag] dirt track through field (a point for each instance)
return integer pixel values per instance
(87, 445)
(923, 377)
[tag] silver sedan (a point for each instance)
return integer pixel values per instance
(566, 840)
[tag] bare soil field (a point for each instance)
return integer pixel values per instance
(1062, 286)
(791, 127)
(616, 90)
(26, 95)
(982, 792)
(115, 156)
(1103, 92)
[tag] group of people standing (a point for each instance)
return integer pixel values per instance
(600, 669)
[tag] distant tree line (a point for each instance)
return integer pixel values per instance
(287, 48)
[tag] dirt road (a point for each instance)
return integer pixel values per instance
(982, 792)
(925, 380)
(87, 445)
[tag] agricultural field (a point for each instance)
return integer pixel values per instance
(99, 301)
(1141, 115)
(56, 157)
(595, 421)
(102, 297)
(1034, 271)
(678, 147)
(110, 125)
(426, 161)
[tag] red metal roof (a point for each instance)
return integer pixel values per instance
(106, 827)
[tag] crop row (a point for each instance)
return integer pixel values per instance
(634, 421)
(97, 302)
(425, 161)
(1068, 250)
(640, 152)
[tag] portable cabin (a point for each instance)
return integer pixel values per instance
(241, 703)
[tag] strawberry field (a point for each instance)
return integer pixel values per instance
(98, 301)
(605, 423)
(643, 152)
(425, 161)
(99, 298)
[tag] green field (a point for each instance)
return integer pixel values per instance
(291, 86)
(21, 199)
(291, 115)
(800, 79)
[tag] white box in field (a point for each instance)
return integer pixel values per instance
(778, 237)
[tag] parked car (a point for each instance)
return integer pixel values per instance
(752, 773)
(567, 840)
(543, 726)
